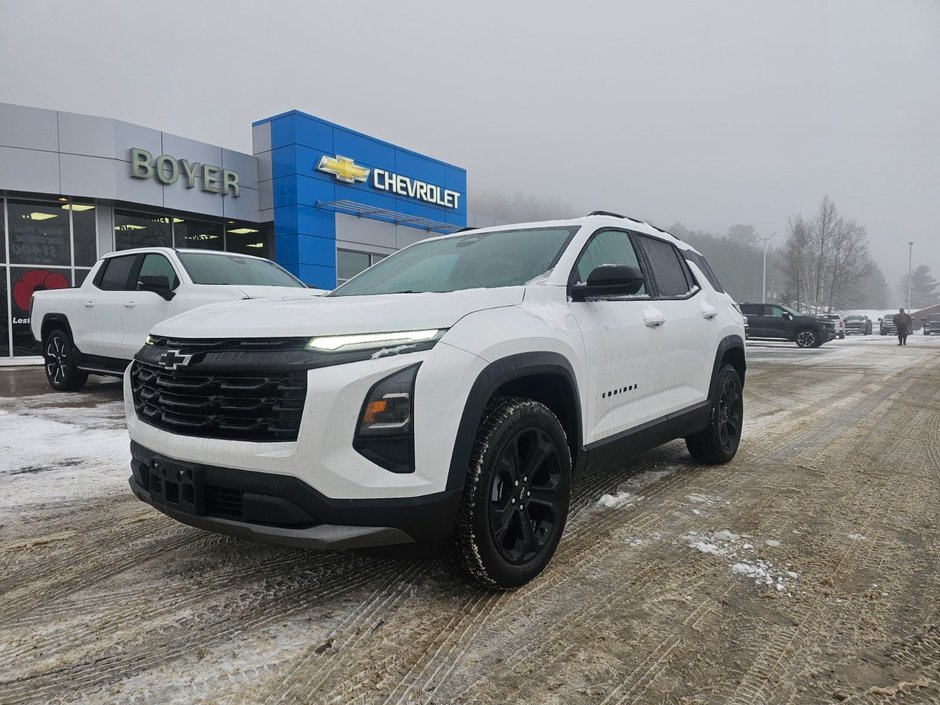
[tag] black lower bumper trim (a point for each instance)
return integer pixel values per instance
(283, 509)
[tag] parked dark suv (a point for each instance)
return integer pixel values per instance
(780, 322)
(931, 324)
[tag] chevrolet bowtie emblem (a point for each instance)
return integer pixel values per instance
(172, 359)
(343, 168)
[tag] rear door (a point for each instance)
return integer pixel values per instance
(105, 307)
(685, 339)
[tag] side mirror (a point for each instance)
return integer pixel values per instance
(787, 315)
(609, 280)
(158, 284)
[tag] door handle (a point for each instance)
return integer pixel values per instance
(653, 318)
(89, 304)
(129, 304)
(708, 311)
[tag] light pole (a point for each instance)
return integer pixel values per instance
(910, 256)
(763, 283)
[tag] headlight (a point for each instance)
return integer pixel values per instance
(385, 431)
(149, 340)
(406, 340)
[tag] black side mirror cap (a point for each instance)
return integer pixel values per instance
(609, 280)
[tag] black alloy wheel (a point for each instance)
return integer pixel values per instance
(730, 414)
(524, 495)
(719, 442)
(60, 364)
(516, 496)
(806, 338)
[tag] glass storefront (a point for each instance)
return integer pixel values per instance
(47, 244)
(52, 243)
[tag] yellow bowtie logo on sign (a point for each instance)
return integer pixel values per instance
(343, 168)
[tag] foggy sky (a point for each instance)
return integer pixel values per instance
(709, 113)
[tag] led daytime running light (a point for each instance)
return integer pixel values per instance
(332, 343)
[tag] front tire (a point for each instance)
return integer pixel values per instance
(719, 443)
(517, 494)
(58, 355)
(807, 338)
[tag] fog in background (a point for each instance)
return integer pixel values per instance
(706, 113)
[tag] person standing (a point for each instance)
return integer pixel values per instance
(903, 322)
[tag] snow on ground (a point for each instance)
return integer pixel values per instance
(620, 499)
(724, 544)
(45, 459)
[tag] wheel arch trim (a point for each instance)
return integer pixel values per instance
(495, 375)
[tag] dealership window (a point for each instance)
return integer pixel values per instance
(199, 234)
(4, 314)
(349, 263)
(249, 238)
(39, 233)
(142, 230)
(84, 232)
(24, 281)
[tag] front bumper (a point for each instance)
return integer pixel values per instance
(282, 509)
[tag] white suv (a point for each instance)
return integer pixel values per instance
(444, 397)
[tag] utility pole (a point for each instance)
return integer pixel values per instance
(763, 283)
(910, 256)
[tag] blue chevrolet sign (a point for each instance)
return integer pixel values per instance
(319, 169)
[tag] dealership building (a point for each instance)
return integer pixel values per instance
(322, 200)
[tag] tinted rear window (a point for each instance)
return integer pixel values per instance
(670, 273)
(116, 272)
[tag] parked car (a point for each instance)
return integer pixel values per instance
(857, 325)
(443, 397)
(778, 322)
(838, 323)
(931, 323)
(886, 324)
(97, 327)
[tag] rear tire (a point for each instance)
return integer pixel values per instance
(718, 443)
(58, 355)
(516, 497)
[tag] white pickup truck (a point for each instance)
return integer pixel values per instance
(97, 327)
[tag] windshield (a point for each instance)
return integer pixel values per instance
(477, 260)
(205, 268)
(854, 318)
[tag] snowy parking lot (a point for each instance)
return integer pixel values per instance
(806, 571)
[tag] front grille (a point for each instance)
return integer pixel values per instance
(264, 406)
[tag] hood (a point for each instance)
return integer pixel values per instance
(278, 292)
(334, 315)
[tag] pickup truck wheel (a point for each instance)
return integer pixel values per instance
(516, 498)
(718, 443)
(807, 338)
(59, 356)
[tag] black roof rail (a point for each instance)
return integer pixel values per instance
(614, 215)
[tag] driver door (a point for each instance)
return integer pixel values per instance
(144, 309)
(618, 335)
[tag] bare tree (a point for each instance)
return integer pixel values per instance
(823, 259)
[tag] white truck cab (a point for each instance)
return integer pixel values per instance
(97, 327)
